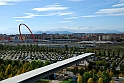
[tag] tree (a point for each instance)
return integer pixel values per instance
(121, 75)
(97, 65)
(46, 63)
(1, 61)
(90, 66)
(121, 68)
(79, 80)
(7, 62)
(106, 77)
(100, 80)
(1, 47)
(113, 65)
(39, 64)
(81, 71)
(91, 73)
(23, 47)
(99, 74)
(2, 76)
(10, 76)
(123, 81)
(18, 72)
(2, 68)
(104, 53)
(15, 70)
(111, 81)
(8, 70)
(90, 80)
(86, 75)
(23, 70)
(108, 52)
(113, 53)
(75, 70)
(105, 66)
(66, 48)
(95, 77)
(33, 64)
(107, 70)
(15, 62)
(111, 73)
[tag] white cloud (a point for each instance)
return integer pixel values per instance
(118, 5)
(31, 15)
(89, 16)
(5, 3)
(10, 2)
(107, 12)
(13, 0)
(115, 10)
(51, 14)
(55, 7)
(121, 0)
(66, 13)
(58, 13)
(28, 15)
(115, 15)
(2, 3)
(71, 18)
(64, 21)
(76, 0)
(111, 11)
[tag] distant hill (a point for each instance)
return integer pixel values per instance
(38, 32)
(77, 30)
(52, 32)
(60, 32)
(107, 31)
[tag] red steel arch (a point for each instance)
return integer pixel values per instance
(28, 29)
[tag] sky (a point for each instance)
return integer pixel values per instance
(80, 16)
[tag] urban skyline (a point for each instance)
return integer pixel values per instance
(68, 15)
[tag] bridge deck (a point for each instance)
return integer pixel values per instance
(39, 71)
